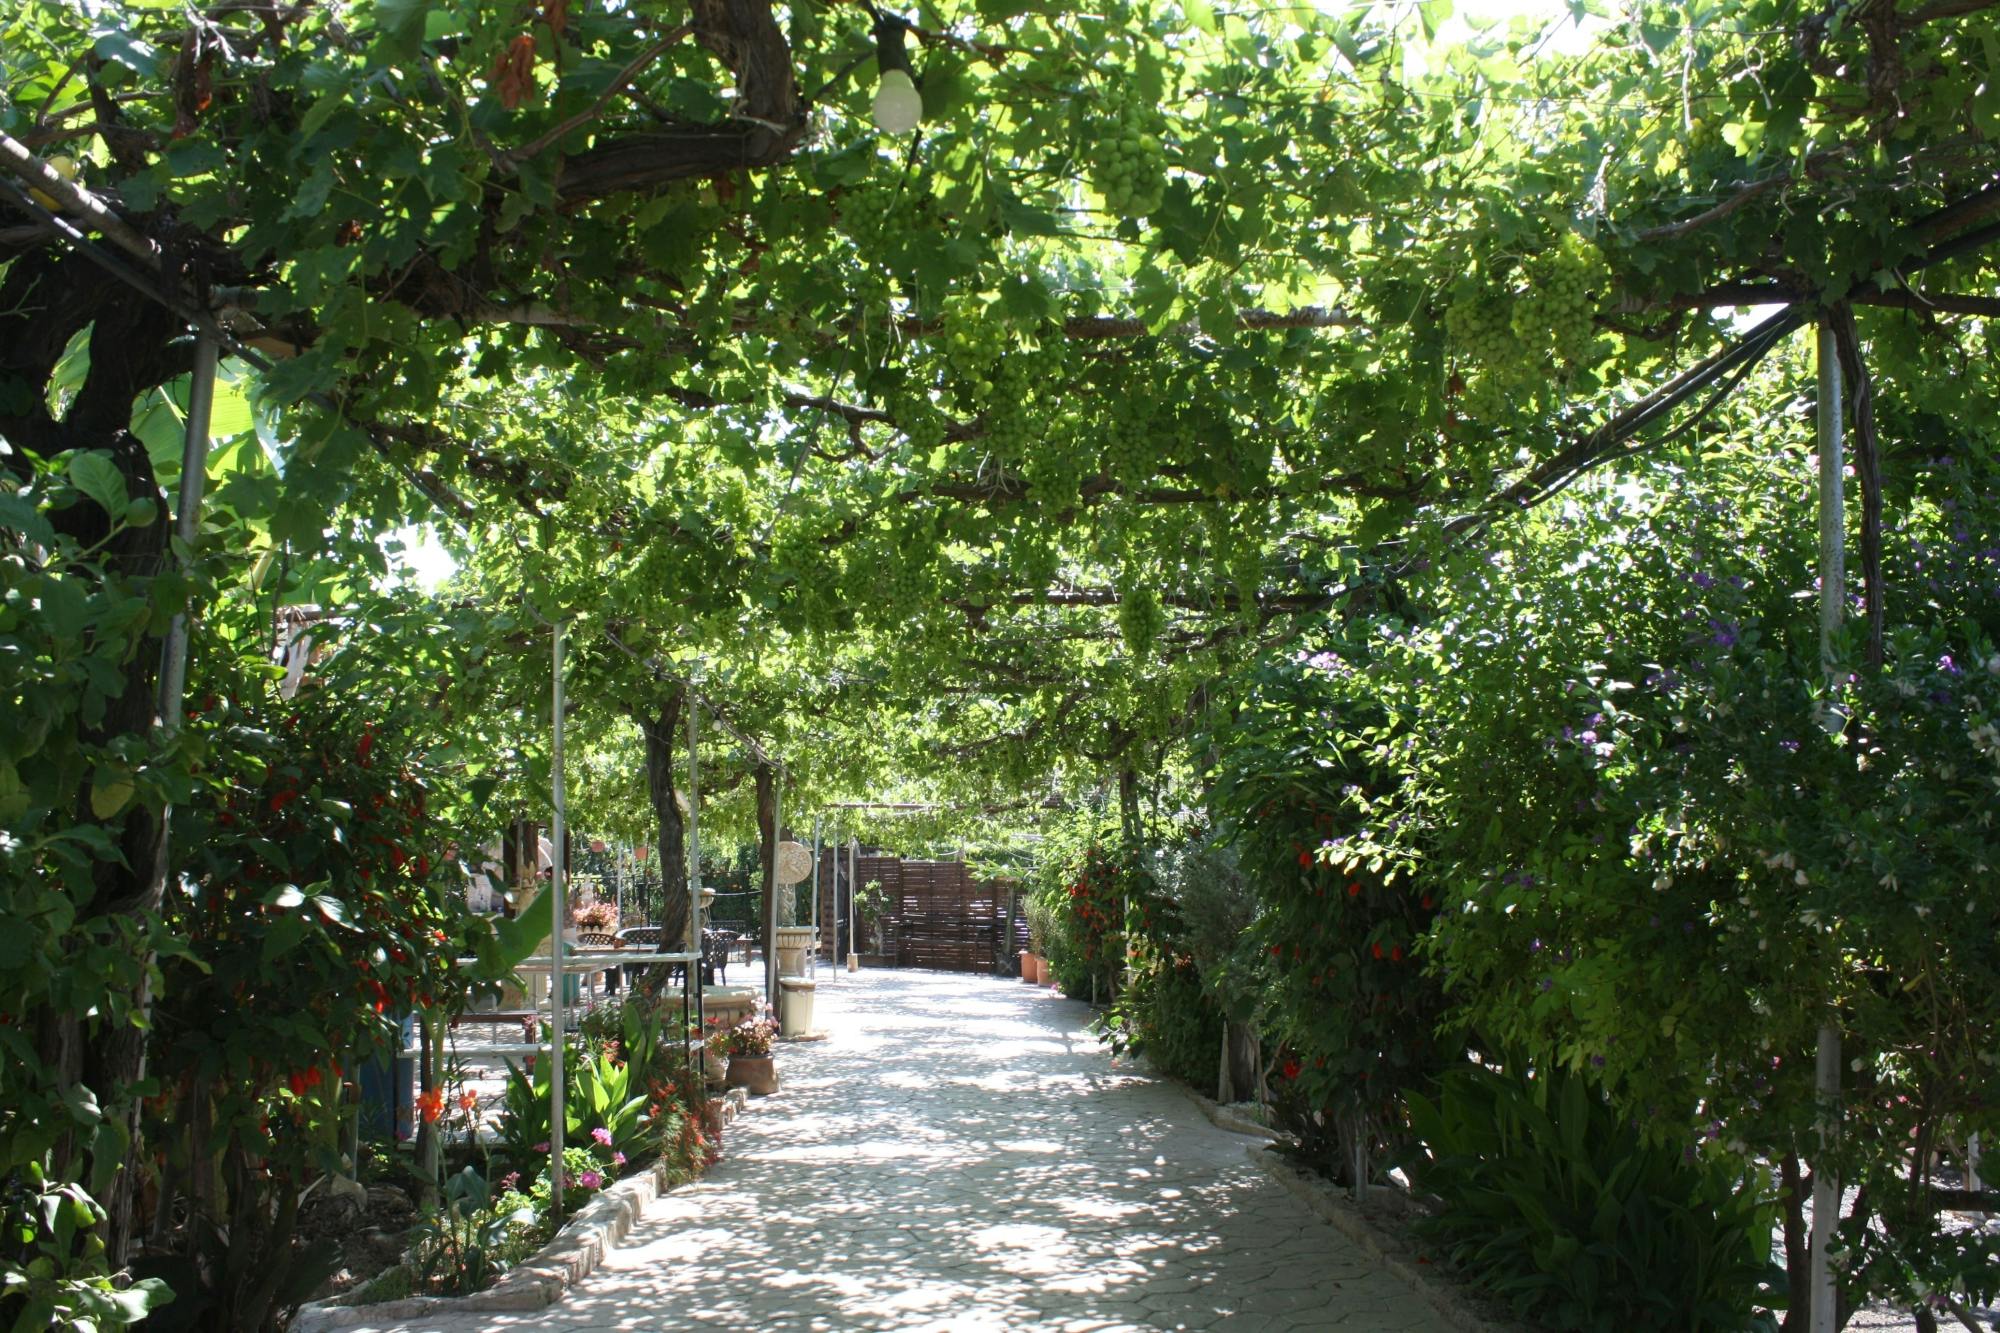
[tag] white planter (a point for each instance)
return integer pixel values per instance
(794, 943)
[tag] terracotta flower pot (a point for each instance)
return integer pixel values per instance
(1029, 971)
(757, 1073)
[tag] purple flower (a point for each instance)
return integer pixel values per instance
(1949, 667)
(1725, 633)
(1588, 738)
(618, 1159)
(1547, 985)
(541, 1147)
(590, 1180)
(1534, 946)
(1701, 580)
(1789, 747)
(1597, 1062)
(602, 1135)
(509, 1181)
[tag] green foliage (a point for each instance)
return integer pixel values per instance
(464, 1245)
(1550, 1199)
(1307, 771)
(52, 1266)
(1165, 1012)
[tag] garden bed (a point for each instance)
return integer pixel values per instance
(537, 1282)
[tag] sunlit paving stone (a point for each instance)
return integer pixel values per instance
(961, 1154)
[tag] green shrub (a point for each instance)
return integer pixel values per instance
(1554, 1202)
(1165, 1012)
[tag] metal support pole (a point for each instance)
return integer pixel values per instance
(697, 919)
(853, 888)
(1832, 594)
(558, 900)
(818, 922)
(694, 1032)
(174, 654)
(771, 898)
(187, 523)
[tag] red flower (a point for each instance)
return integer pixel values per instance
(1277, 951)
(431, 1103)
(1396, 954)
(1378, 950)
(367, 744)
(1427, 902)
(1305, 858)
(1291, 1069)
(283, 799)
(298, 1082)
(1354, 889)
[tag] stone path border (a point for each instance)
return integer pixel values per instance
(1333, 1206)
(539, 1281)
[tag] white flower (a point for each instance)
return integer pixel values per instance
(1923, 910)
(1888, 881)
(1800, 879)
(1664, 882)
(1993, 664)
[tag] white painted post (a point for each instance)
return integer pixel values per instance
(818, 921)
(696, 920)
(558, 899)
(1832, 594)
(853, 887)
(771, 904)
(187, 522)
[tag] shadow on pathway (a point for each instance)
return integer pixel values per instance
(962, 1154)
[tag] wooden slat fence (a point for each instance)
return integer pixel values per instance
(938, 915)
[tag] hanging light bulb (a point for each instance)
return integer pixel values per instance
(899, 108)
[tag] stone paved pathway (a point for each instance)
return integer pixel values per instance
(962, 1155)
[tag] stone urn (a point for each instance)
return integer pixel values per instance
(794, 943)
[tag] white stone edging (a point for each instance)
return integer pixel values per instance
(1223, 1118)
(537, 1282)
(1337, 1211)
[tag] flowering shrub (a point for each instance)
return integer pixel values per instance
(314, 912)
(1670, 843)
(1350, 1005)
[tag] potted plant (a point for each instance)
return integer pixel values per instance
(748, 1045)
(597, 918)
(1041, 924)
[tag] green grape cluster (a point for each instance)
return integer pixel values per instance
(1141, 618)
(1055, 471)
(1128, 164)
(974, 343)
(901, 586)
(1514, 338)
(1129, 453)
(1480, 327)
(923, 425)
(1557, 306)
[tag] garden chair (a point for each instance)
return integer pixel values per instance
(596, 939)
